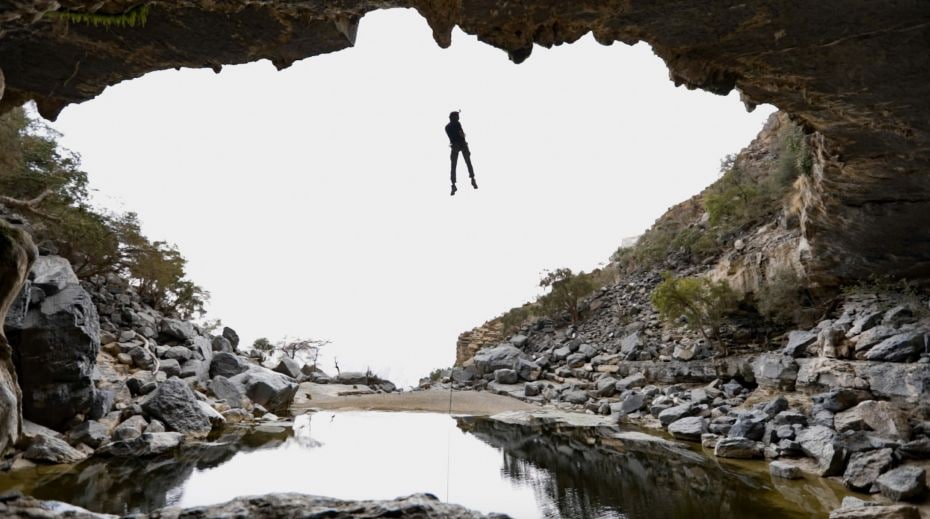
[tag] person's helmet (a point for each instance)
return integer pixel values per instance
(453, 115)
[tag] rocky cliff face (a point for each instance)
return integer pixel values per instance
(17, 253)
(856, 73)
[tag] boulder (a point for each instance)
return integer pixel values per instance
(142, 358)
(784, 470)
(575, 396)
(688, 428)
(907, 483)
(576, 360)
(318, 376)
(177, 330)
(632, 381)
(840, 399)
(519, 340)
(52, 274)
(288, 366)
(799, 342)
(775, 406)
(879, 416)
(502, 356)
(227, 365)
(131, 428)
(148, 444)
(749, 425)
(505, 376)
(272, 390)
(775, 371)
(632, 402)
(870, 338)
(55, 350)
(91, 433)
(739, 448)
(175, 404)
(216, 419)
(49, 449)
(230, 335)
(170, 367)
(606, 386)
(820, 443)
(902, 347)
(178, 353)
(220, 343)
(674, 413)
(865, 467)
(355, 378)
(526, 370)
(225, 390)
(631, 344)
(194, 368)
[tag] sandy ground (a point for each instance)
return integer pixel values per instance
(326, 396)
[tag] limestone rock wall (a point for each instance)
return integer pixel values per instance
(473, 340)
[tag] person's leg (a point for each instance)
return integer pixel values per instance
(454, 158)
(471, 171)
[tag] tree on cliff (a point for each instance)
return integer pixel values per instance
(565, 291)
(45, 182)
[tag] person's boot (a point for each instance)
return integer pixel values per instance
(473, 183)
(453, 190)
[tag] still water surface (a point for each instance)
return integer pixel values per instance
(526, 472)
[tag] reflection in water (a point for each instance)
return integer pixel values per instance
(519, 470)
(583, 474)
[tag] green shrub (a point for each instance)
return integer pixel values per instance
(704, 304)
(513, 319)
(783, 299)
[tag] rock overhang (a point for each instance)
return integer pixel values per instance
(856, 72)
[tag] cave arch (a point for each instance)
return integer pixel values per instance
(854, 72)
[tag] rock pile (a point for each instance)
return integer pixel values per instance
(103, 371)
(863, 375)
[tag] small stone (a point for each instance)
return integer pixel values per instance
(739, 448)
(784, 470)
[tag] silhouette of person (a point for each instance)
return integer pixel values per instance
(458, 145)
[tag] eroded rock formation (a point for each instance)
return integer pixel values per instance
(856, 72)
(17, 253)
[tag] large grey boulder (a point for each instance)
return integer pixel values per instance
(355, 378)
(230, 335)
(131, 428)
(148, 444)
(576, 396)
(739, 448)
(505, 376)
(872, 510)
(526, 370)
(903, 347)
(606, 386)
(749, 425)
(674, 413)
(879, 416)
(227, 365)
(177, 330)
(775, 371)
(907, 483)
(798, 343)
(225, 390)
(49, 449)
(865, 467)
(55, 348)
(271, 390)
(502, 356)
(688, 428)
(175, 404)
(91, 433)
(52, 274)
(220, 343)
(820, 443)
(288, 366)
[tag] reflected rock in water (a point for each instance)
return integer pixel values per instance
(127, 485)
(585, 473)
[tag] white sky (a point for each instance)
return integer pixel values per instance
(315, 201)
